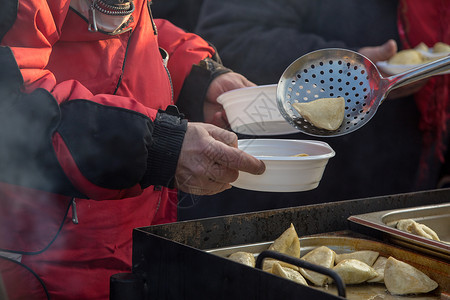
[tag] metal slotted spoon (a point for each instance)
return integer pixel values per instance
(330, 73)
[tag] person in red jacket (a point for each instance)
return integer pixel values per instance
(92, 145)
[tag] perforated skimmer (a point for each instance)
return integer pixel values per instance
(331, 73)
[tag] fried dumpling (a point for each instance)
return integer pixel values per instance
(411, 226)
(440, 47)
(421, 47)
(245, 258)
(322, 256)
(326, 113)
(366, 256)
(269, 262)
(288, 243)
(401, 278)
(406, 57)
(288, 273)
(353, 271)
(378, 266)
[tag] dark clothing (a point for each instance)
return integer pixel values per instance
(260, 39)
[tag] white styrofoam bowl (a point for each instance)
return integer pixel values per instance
(254, 111)
(285, 173)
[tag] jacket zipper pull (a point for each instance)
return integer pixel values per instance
(92, 22)
(74, 212)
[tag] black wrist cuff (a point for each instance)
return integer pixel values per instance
(167, 138)
(193, 93)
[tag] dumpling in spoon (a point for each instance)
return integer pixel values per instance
(366, 256)
(325, 113)
(353, 271)
(288, 273)
(401, 278)
(322, 256)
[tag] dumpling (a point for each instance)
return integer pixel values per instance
(326, 113)
(288, 273)
(411, 226)
(378, 266)
(288, 243)
(401, 278)
(353, 271)
(268, 264)
(322, 256)
(366, 256)
(406, 57)
(421, 47)
(440, 47)
(245, 258)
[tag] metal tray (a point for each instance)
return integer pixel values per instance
(438, 271)
(437, 217)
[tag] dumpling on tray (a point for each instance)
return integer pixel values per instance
(378, 266)
(366, 256)
(288, 243)
(353, 271)
(245, 258)
(401, 278)
(287, 273)
(411, 226)
(322, 256)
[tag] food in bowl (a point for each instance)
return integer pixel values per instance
(325, 113)
(440, 47)
(285, 171)
(407, 57)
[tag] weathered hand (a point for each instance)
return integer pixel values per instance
(213, 111)
(210, 160)
(380, 53)
(385, 52)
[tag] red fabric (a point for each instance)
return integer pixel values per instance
(428, 22)
(55, 51)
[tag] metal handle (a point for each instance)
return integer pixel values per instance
(416, 74)
(302, 264)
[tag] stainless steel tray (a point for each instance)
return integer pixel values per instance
(435, 269)
(437, 217)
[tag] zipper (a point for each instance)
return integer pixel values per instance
(74, 212)
(101, 6)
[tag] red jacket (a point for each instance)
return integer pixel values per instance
(90, 75)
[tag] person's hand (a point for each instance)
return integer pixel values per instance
(210, 160)
(213, 111)
(380, 53)
(385, 52)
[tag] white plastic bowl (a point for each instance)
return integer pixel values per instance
(284, 172)
(254, 111)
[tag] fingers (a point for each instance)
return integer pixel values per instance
(210, 160)
(234, 158)
(380, 53)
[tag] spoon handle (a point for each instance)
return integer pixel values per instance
(416, 74)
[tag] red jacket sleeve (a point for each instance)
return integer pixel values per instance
(106, 145)
(185, 50)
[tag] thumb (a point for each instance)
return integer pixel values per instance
(380, 53)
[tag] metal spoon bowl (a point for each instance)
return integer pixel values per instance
(332, 73)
